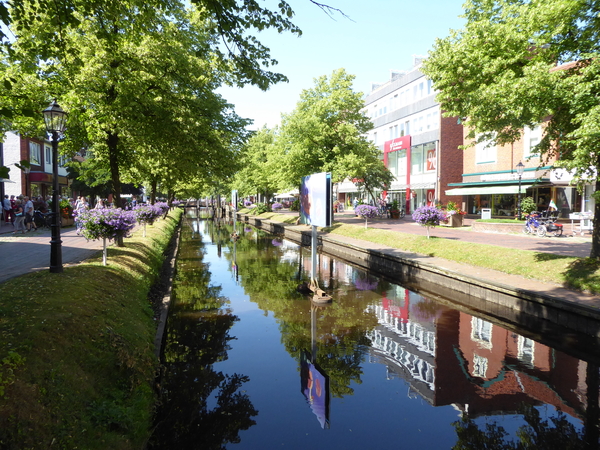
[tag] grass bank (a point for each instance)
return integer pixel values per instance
(76, 350)
(576, 273)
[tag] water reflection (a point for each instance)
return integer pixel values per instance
(194, 396)
(483, 385)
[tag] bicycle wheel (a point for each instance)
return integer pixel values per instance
(542, 230)
(526, 229)
(402, 213)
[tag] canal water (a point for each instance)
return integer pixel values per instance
(251, 363)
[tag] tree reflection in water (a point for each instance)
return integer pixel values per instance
(195, 398)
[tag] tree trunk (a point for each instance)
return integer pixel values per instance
(112, 141)
(595, 251)
(153, 185)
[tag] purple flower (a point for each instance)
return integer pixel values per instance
(147, 213)
(366, 211)
(276, 242)
(276, 206)
(108, 223)
(365, 285)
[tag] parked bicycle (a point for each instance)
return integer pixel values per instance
(42, 220)
(542, 223)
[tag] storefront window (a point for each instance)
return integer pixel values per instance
(393, 163)
(401, 162)
(416, 159)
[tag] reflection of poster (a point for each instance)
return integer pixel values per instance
(234, 199)
(315, 200)
(314, 385)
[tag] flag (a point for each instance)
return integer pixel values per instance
(553, 205)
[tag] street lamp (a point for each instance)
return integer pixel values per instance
(520, 168)
(55, 119)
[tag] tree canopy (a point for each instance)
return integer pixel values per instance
(326, 132)
(520, 63)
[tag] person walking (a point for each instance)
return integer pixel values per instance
(28, 212)
(19, 217)
(7, 209)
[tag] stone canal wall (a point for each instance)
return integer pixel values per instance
(535, 310)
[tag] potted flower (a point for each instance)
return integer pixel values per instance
(428, 216)
(395, 210)
(454, 215)
(366, 212)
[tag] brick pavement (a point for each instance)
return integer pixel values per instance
(29, 252)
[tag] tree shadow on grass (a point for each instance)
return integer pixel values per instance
(582, 274)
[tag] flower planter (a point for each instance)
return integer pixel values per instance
(395, 214)
(455, 220)
(66, 221)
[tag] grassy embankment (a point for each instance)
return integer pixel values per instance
(76, 350)
(576, 273)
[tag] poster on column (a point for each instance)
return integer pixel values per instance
(234, 199)
(315, 200)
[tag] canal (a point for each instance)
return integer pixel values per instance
(251, 363)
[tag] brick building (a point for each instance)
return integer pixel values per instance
(418, 145)
(38, 180)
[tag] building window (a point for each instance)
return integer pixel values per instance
(48, 155)
(393, 163)
(401, 162)
(416, 159)
(480, 366)
(485, 151)
(481, 332)
(421, 90)
(407, 127)
(526, 351)
(531, 138)
(395, 131)
(375, 138)
(401, 129)
(429, 87)
(34, 154)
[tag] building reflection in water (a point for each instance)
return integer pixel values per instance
(450, 357)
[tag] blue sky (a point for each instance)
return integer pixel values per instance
(379, 36)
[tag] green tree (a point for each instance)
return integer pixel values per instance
(258, 165)
(500, 73)
(326, 132)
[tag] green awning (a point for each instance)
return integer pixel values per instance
(511, 189)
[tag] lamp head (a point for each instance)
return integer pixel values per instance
(55, 118)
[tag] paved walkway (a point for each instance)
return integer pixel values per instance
(29, 252)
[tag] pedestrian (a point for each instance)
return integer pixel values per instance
(19, 217)
(7, 209)
(13, 205)
(28, 212)
(99, 204)
(80, 207)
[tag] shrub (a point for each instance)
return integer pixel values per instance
(276, 206)
(260, 208)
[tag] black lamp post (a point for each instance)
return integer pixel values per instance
(520, 168)
(55, 119)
